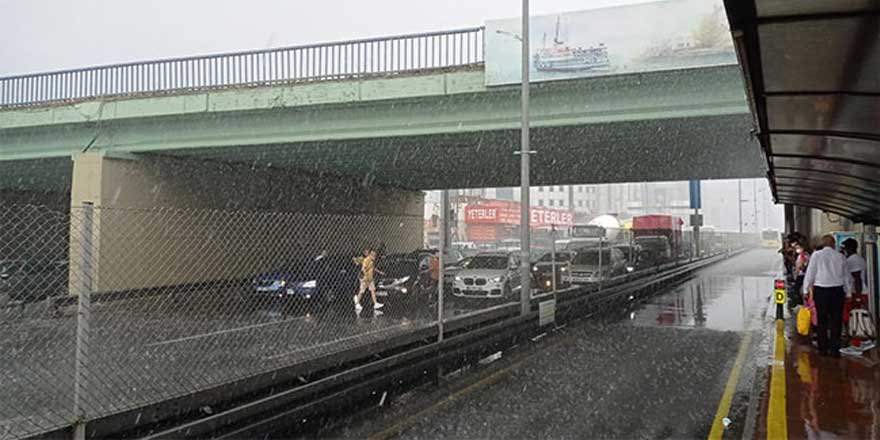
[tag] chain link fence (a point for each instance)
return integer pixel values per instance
(106, 310)
(37, 365)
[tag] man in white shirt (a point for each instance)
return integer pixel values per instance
(826, 281)
(856, 267)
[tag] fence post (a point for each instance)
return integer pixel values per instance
(599, 273)
(83, 315)
(444, 255)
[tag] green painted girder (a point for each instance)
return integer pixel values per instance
(440, 130)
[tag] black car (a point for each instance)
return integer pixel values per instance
(543, 268)
(407, 277)
(632, 253)
(29, 280)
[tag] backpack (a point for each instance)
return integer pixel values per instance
(861, 325)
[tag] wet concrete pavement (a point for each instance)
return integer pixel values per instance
(656, 371)
(828, 398)
(723, 296)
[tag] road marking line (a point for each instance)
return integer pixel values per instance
(777, 423)
(220, 332)
(337, 341)
(717, 431)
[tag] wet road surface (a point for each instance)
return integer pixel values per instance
(657, 371)
(150, 349)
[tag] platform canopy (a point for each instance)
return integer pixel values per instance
(812, 73)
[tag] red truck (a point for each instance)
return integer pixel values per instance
(651, 231)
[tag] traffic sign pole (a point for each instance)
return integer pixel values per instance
(779, 298)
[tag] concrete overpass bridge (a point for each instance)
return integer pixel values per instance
(412, 122)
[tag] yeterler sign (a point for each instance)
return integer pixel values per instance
(662, 35)
(507, 213)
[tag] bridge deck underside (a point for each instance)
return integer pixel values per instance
(712, 147)
(715, 147)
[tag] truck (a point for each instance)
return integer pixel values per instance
(604, 228)
(658, 234)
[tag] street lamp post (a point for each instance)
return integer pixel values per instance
(525, 232)
(755, 205)
(739, 204)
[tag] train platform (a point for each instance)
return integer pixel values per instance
(809, 396)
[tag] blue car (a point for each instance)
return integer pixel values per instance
(319, 277)
(285, 284)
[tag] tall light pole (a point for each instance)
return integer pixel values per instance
(764, 207)
(755, 204)
(525, 232)
(739, 204)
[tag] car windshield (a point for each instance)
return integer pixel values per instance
(488, 262)
(398, 267)
(560, 257)
(591, 258)
(651, 241)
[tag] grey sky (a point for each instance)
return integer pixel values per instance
(42, 35)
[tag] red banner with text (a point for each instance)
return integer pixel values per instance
(499, 212)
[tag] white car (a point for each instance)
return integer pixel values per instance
(488, 275)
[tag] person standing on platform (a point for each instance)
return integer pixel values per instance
(856, 268)
(827, 281)
(802, 260)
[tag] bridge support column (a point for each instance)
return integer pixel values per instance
(801, 221)
(161, 221)
(790, 223)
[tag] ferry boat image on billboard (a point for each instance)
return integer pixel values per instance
(560, 57)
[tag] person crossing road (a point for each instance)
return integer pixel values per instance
(367, 280)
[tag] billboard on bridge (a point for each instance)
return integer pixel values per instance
(662, 35)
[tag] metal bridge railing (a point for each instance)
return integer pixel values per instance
(315, 62)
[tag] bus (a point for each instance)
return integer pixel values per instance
(770, 239)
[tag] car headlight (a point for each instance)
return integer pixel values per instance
(283, 283)
(535, 268)
(563, 269)
(310, 284)
(457, 278)
(497, 279)
(400, 281)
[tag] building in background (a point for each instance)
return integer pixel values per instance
(625, 200)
